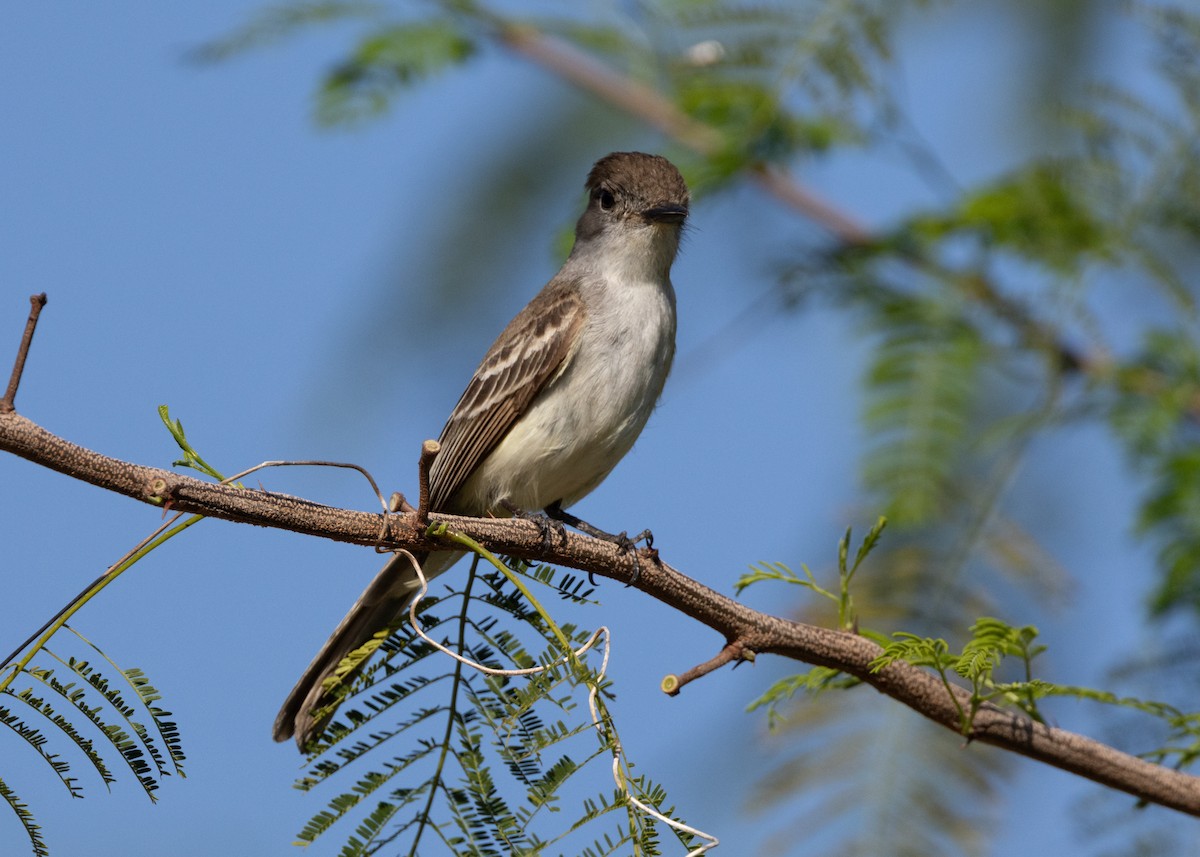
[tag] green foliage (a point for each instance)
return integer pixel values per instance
(814, 682)
(32, 830)
(780, 573)
(930, 358)
(980, 660)
(117, 716)
(491, 761)
(391, 55)
(828, 54)
(191, 458)
(277, 22)
(720, 63)
(384, 61)
(1035, 213)
(775, 82)
(939, 293)
(923, 382)
(991, 642)
(976, 312)
(819, 679)
(1156, 408)
(104, 714)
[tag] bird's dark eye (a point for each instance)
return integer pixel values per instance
(607, 200)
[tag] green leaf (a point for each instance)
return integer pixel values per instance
(816, 681)
(1035, 213)
(386, 61)
(274, 23)
(191, 458)
(1155, 413)
(490, 760)
(32, 830)
(922, 387)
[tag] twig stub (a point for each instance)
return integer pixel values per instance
(36, 302)
(429, 450)
(733, 651)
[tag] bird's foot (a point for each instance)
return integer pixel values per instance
(622, 540)
(548, 525)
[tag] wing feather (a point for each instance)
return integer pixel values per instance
(527, 355)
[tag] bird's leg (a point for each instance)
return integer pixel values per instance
(547, 523)
(624, 543)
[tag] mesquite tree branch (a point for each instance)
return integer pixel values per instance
(746, 632)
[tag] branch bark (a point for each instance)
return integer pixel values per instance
(746, 632)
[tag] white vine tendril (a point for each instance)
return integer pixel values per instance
(593, 691)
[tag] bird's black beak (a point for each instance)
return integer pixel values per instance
(666, 213)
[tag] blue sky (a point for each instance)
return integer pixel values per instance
(298, 293)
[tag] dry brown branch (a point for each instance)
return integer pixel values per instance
(744, 630)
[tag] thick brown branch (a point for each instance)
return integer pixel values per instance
(744, 629)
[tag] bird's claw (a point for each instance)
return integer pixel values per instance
(547, 526)
(624, 544)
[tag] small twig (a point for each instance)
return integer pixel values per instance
(846, 229)
(36, 302)
(429, 451)
(398, 505)
(591, 75)
(733, 651)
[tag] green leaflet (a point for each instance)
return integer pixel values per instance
(490, 765)
(385, 61)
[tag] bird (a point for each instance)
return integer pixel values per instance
(556, 402)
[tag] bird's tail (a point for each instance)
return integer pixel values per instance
(380, 608)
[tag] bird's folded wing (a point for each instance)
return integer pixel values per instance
(529, 354)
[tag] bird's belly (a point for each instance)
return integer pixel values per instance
(574, 433)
